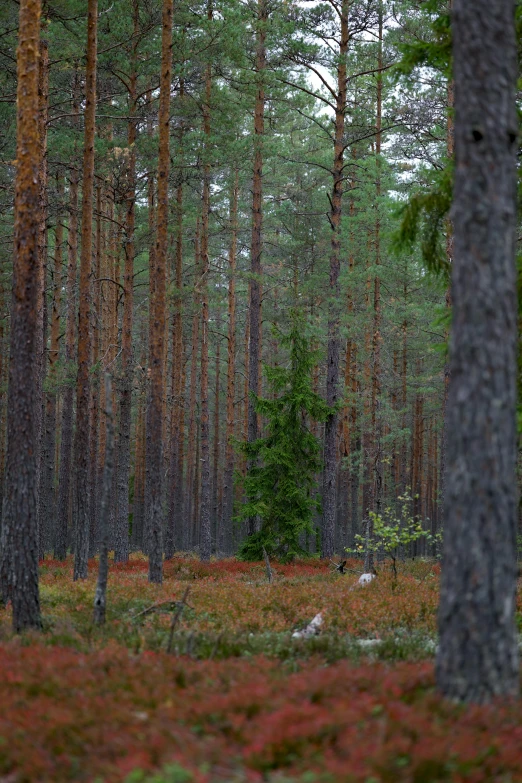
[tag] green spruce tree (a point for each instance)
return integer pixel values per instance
(285, 462)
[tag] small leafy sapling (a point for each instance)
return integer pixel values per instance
(393, 532)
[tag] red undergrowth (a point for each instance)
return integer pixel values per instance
(69, 716)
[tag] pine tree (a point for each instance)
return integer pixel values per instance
(81, 450)
(19, 541)
(157, 313)
(478, 654)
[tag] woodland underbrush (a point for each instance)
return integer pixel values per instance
(237, 698)
(231, 609)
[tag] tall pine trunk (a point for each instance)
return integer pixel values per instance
(216, 446)
(477, 658)
(257, 224)
(228, 481)
(45, 455)
(376, 463)
(205, 541)
(188, 527)
(174, 534)
(81, 451)
(157, 313)
(121, 551)
(94, 414)
(19, 539)
(47, 494)
(66, 440)
(333, 349)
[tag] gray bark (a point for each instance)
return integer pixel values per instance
(63, 501)
(257, 240)
(121, 543)
(477, 657)
(100, 598)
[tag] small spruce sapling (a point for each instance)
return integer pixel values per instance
(286, 461)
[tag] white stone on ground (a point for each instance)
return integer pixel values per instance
(312, 629)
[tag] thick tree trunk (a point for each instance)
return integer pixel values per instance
(333, 349)
(81, 456)
(478, 657)
(19, 540)
(157, 311)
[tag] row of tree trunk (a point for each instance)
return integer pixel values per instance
(478, 655)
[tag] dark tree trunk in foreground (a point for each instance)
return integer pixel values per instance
(19, 552)
(477, 657)
(81, 552)
(157, 314)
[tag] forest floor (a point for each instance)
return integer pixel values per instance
(238, 699)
